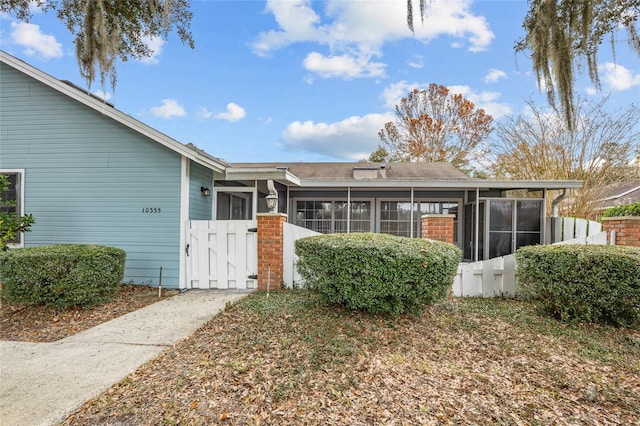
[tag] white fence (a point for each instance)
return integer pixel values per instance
(561, 229)
(222, 254)
(498, 277)
(291, 233)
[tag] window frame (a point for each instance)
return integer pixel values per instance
(332, 200)
(19, 202)
(459, 222)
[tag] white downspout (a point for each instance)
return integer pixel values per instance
(556, 201)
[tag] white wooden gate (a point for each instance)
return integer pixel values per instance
(222, 254)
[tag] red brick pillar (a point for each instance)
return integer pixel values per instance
(623, 230)
(270, 243)
(438, 227)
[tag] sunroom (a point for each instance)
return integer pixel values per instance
(491, 218)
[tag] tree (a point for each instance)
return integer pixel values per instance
(107, 29)
(380, 155)
(563, 34)
(599, 149)
(11, 223)
(435, 125)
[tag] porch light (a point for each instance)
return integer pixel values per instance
(272, 202)
(205, 191)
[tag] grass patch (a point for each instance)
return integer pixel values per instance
(290, 359)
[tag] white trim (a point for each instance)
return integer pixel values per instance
(185, 169)
(22, 180)
(238, 189)
(615, 197)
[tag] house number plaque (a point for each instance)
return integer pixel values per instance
(151, 210)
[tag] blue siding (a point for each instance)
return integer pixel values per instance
(89, 179)
(199, 206)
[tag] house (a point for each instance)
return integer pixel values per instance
(618, 194)
(92, 174)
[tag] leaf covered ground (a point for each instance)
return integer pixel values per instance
(287, 359)
(42, 324)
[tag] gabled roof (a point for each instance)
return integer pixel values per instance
(620, 193)
(108, 110)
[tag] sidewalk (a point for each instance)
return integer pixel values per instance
(42, 383)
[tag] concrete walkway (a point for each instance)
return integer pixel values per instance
(42, 383)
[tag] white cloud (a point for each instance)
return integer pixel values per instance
(591, 90)
(353, 138)
(155, 45)
(169, 108)
(35, 43)
(394, 93)
(617, 77)
(234, 113)
(494, 75)
(416, 62)
(205, 113)
(344, 66)
(355, 31)
(102, 95)
(484, 100)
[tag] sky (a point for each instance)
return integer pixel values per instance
(296, 80)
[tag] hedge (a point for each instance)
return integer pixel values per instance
(61, 275)
(632, 209)
(377, 273)
(585, 283)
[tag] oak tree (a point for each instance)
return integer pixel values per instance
(105, 30)
(436, 125)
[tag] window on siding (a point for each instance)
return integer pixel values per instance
(11, 202)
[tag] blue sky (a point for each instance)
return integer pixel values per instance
(296, 80)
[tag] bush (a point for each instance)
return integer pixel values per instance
(632, 209)
(377, 273)
(587, 283)
(61, 275)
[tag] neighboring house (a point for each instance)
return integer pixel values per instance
(92, 174)
(618, 194)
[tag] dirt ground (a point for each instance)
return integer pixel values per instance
(40, 324)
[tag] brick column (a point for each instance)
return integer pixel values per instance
(270, 243)
(438, 227)
(626, 228)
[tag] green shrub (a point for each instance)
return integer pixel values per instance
(586, 283)
(377, 273)
(61, 275)
(632, 209)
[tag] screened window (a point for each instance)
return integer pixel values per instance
(331, 216)
(395, 216)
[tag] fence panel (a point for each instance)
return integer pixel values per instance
(222, 254)
(291, 233)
